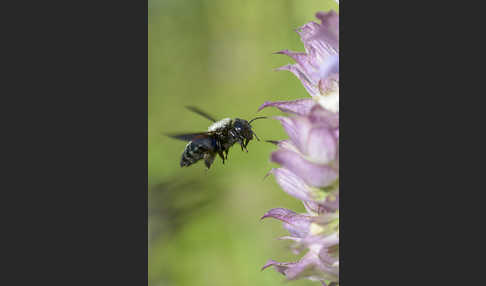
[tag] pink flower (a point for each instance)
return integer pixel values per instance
(309, 172)
(309, 159)
(318, 67)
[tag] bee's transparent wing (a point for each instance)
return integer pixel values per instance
(200, 112)
(188, 136)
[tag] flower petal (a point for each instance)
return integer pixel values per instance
(299, 106)
(314, 136)
(329, 67)
(309, 266)
(317, 48)
(319, 115)
(329, 28)
(297, 128)
(321, 145)
(313, 174)
(304, 78)
(296, 224)
(279, 266)
(287, 144)
(297, 188)
(282, 214)
(320, 62)
(307, 32)
(316, 208)
(302, 60)
(292, 184)
(296, 269)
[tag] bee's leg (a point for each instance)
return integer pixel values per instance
(220, 153)
(208, 159)
(243, 147)
(226, 153)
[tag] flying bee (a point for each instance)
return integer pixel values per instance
(221, 135)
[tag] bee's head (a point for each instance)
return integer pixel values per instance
(243, 128)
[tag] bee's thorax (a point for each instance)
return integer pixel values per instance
(223, 123)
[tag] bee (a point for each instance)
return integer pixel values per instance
(219, 138)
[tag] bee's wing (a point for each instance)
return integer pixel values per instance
(200, 112)
(189, 136)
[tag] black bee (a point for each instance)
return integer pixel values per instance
(221, 135)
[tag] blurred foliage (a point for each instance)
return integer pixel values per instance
(204, 227)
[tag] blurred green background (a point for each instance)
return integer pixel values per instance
(204, 227)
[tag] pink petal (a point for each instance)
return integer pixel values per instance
(312, 174)
(329, 67)
(308, 266)
(297, 128)
(299, 106)
(292, 184)
(319, 115)
(300, 74)
(329, 28)
(321, 145)
(302, 59)
(297, 224)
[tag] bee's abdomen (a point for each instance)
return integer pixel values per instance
(193, 153)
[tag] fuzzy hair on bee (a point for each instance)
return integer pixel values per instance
(217, 141)
(223, 123)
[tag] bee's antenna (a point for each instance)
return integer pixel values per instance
(260, 117)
